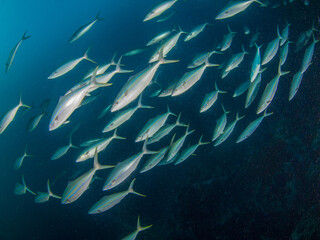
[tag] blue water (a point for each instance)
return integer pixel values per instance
(264, 188)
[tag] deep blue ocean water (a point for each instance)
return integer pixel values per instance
(266, 187)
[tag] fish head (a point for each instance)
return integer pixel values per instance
(54, 123)
(110, 184)
(84, 156)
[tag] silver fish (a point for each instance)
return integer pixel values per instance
(83, 29)
(19, 160)
(159, 9)
(65, 68)
(227, 40)
(133, 235)
(159, 38)
(242, 88)
(14, 51)
(34, 121)
(220, 125)
(154, 160)
(306, 62)
(210, 99)
(8, 118)
(45, 196)
(110, 201)
(253, 90)
(296, 81)
(195, 32)
(22, 188)
(60, 152)
(135, 52)
(271, 49)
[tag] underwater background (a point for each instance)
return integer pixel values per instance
(266, 187)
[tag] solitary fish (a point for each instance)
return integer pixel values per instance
(70, 65)
(191, 78)
(99, 145)
(19, 160)
(153, 126)
(45, 196)
(189, 151)
(220, 125)
(159, 38)
(253, 90)
(255, 65)
(123, 116)
(124, 169)
(78, 186)
(227, 40)
(85, 28)
(60, 152)
(34, 121)
(135, 52)
(137, 83)
(270, 91)
(200, 58)
(241, 89)
(284, 52)
(235, 60)
(252, 127)
(154, 160)
(132, 236)
(110, 201)
(210, 99)
(285, 34)
(8, 118)
(22, 188)
(14, 51)
(234, 8)
(295, 84)
(195, 32)
(271, 49)
(159, 9)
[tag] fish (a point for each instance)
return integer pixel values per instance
(195, 32)
(133, 235)
(304, 38)
(253, 90)
(10, 115)
(99, 145)
(67, 67)
(153, 125)
(165, 130)
(284, 34)
(168, 91)
(296, 81)
(109, 201)
(270, 91)
(90, 142)
(234, 8)
(78, 186)
(104, 111)
(34, 121)
(242, 88)
(246, 30)
(45, 196)
(200, 59)
(271, 49)
(69, 103)
(165, 16)
(284, 50)
(84, 29)
(255, 65)
(14, 52)
(210, 99)
(307, 58)
(136, 84)
(189, 151)
(167, 46)
(247, 132)
(220, 125)
(135, 52)
(21, 189)
(124, 169)
(191, 78)
(154, 160)
(159, 9)
(227, 40)
(227, 131)
(123, 116)
(60, 152)
(159, 38)
(19, 160)
(176, 146)
(102, 69)
(235, 60)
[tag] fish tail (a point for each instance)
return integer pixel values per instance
(139, 228)
(145, 150)
(118, 67)
(265, 114)
(262, 4)
(70, 142)
(169, 112)
(98, 18)
(50, 192)
(140, 105)
(230, 30)
(187, 130)
(278, 33)
(180, 124)
(165, 61)
(280, 73)
(97, 165)
(24, 37)
(202, 143)
(219, 91)
(180, 30)
(33, 193)
(113, 62)
(210, 64)
(244, 51)
(224, 109)
(172, 139)
(21, 104)
(85, 56)
(133, 191)
(239, 118)
(115, 136)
